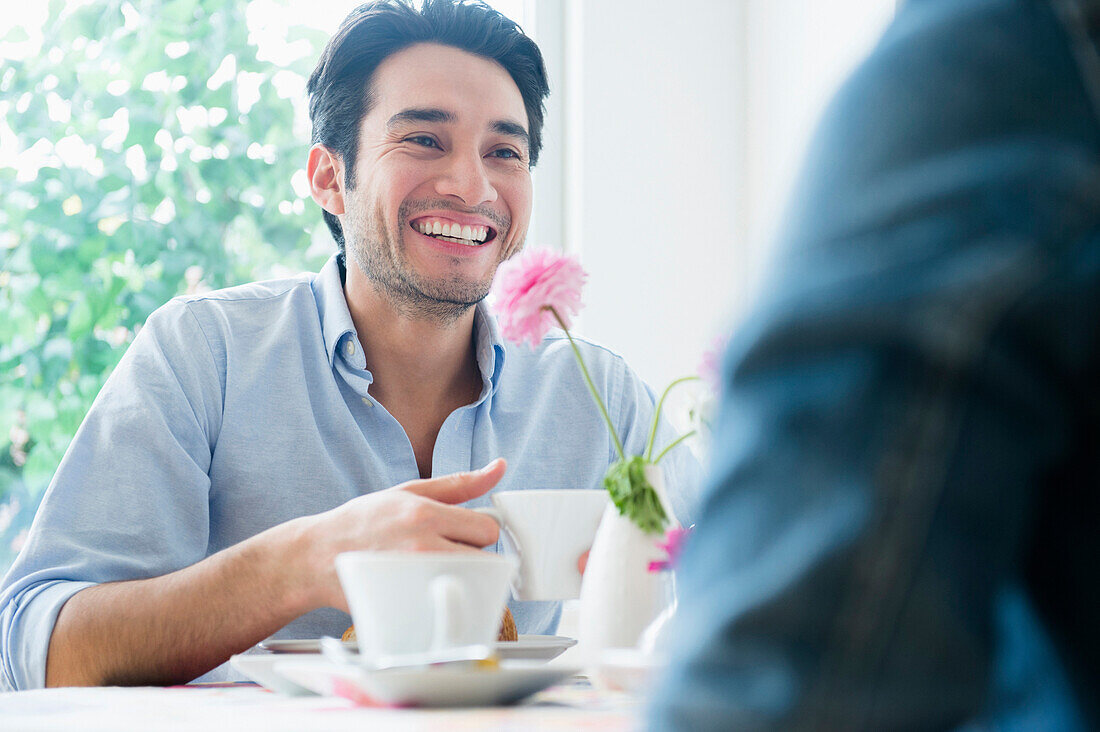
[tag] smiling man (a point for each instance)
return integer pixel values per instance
(438, 195)
(250, 435)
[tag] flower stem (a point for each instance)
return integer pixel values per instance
(657, 418)
(676, 442)
(591, 386)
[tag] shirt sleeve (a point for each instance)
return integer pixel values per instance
(130, 498)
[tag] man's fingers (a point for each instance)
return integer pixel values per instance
(439, 544)
(458, 487)
(582, 562)
(464, 526)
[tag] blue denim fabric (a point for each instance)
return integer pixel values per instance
(899, 528)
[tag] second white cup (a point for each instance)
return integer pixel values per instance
(548, 530)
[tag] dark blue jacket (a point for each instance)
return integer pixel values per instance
(900, 528)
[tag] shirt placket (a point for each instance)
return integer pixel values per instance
(379, 428)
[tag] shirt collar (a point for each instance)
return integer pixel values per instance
(336, 323)
(328, 291)
(489, 346)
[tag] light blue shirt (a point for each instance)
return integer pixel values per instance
(237, 410)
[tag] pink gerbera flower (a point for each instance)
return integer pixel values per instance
(531, 288)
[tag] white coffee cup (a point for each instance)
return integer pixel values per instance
(415, 603)
(548, 530)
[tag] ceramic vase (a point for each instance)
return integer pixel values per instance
(655, 638)
(620, 597)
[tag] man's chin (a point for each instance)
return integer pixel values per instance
(442, 301)
(458, 300)
(462, 293)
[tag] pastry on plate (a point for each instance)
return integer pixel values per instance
(508, 630)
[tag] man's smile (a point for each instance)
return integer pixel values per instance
(454, 232)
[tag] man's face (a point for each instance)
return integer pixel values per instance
(443, 149)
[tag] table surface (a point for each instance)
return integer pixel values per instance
(572, 705)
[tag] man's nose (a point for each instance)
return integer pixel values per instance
(466, 178)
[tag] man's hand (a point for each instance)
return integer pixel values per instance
(170, 629)
(420, 515)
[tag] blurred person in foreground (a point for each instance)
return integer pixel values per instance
(899, 530)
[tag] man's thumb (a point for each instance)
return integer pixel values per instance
(460, 487)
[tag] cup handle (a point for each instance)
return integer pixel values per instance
(497, 515)
(492, 513)
(448, 612)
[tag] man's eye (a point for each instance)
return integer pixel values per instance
(422, 140)
(505, 152)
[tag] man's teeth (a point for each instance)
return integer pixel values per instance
(470, 235)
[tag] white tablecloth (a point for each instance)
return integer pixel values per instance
(242, 707)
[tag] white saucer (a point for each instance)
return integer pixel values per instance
(443, 686)
(530, 647)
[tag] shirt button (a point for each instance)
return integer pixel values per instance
(350, 348)
(368, 402)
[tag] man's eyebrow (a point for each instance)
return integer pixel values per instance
(420, 115)
(511, 129)
(442, 116)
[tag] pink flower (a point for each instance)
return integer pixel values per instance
(673, 545)
(527, 286)
(710, 366)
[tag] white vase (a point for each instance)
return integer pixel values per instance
(654, 640)
(620, 597)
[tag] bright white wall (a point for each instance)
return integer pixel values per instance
(683, 126)
(797, 53)
(654, 176)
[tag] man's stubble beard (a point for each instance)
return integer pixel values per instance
(380, 255)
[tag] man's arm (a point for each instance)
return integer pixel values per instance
(173, 628)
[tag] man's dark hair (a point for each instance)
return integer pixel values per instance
(339, 87)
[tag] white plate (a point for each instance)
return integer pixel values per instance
(443, 686)
(298, 645)
(260, 667)
(530, 647)
(534, 647)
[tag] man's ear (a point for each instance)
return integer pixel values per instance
(326, 179)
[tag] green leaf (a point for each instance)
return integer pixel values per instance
(18, 34)
(77, 286)
(634, 496)
(80, 318)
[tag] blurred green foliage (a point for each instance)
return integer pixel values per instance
(142, 162)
